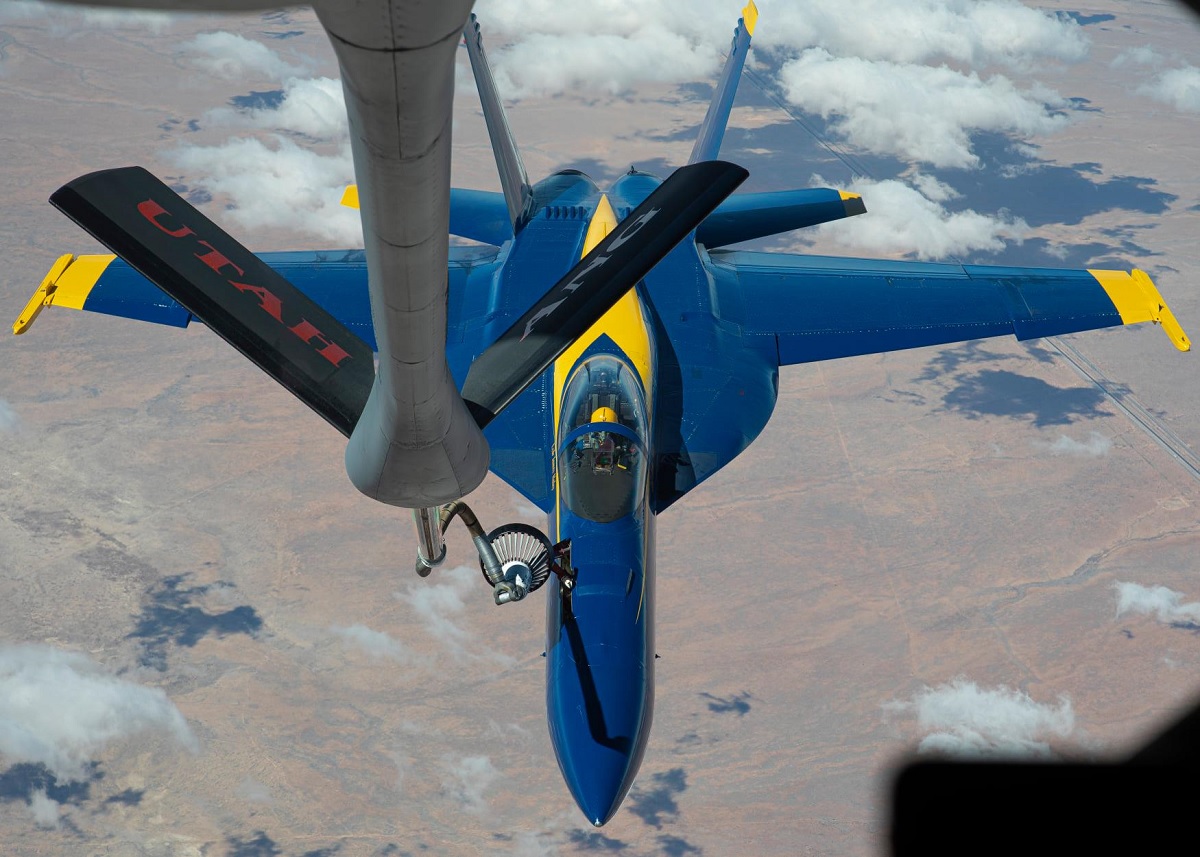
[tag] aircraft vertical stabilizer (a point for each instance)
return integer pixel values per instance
(513, 178)
(712, 131)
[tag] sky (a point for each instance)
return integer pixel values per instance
(941, 114)
(913, 91)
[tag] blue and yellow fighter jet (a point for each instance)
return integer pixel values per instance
(648, 366)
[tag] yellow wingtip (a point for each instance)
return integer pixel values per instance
(750, 17)
(845, 195)
(68, 284)
(1137, 299)
(350, 196)
(43, 297)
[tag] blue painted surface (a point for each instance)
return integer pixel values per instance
(721, 325)
(123, 291)
(600, 638)
(480, 215)
(746, 216)
(712, 129)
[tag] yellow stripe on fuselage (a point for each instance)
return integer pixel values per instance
(624, 324)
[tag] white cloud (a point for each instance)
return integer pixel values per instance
(312, 106)
(272, 181)
(8, 417)
(609, 45)
(1165, 605)
(67, 19)
(542, 47)
(579, 62)
(1145, 55)
(875, 70)
(1095, 445)
(901, 218)
(44, 810)
(1178, 87)
(277, 184)
(466, 780)
(916, 112)
(234, 57)
(530, 512)
(60, 708)
(973, 32)
(377, 644)
(402, 763)
(963, 719)
(252, 791)
(440, 604)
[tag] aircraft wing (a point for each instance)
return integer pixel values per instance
(820, 308)
(335, 279)
(775, 309)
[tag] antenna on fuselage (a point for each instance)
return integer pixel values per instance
(514, 181)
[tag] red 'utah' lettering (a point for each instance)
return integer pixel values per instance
(267, 300)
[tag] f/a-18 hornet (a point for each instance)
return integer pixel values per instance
(601, 351)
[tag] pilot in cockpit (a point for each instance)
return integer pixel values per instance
(608, 450)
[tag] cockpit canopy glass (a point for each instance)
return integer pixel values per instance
(602, 461)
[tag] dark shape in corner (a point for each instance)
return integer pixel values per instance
(129, 797)
(258, 845)
(658, 800)
(677, 846)
(1084, 20)
(269, 100)
(22, 780)
(736, 703)
(997, 392)
(948, 361)
(594, 840)
(1040, 191)
(1050, 807)
(171, 616)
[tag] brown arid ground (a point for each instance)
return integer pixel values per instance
(905, 520)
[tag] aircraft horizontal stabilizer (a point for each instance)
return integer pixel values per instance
(592, 287)
(223, 284)
(480, 215)
(756, 215)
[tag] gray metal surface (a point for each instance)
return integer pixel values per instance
(513, 178)
(416, 445)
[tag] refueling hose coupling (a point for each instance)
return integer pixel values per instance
(515, 559)
(487, 557)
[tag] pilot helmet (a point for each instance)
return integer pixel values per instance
(604, 415)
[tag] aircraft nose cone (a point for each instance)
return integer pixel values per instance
(600, 786)
(599, 727)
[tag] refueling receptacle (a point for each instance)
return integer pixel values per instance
(515, 559)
